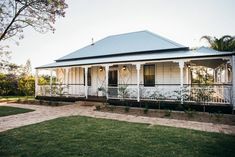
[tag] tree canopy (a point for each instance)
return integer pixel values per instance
(225, 43)
(15, 15)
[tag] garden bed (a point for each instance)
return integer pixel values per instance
(218, 118)
(58, 98)
(175, 105)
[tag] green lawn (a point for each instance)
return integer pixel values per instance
(90, 137)
(15, 98)
(7, 110)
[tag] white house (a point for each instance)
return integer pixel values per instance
(140, 63)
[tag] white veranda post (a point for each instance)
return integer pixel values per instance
(107, 79)
(138, 81)
(226, 73)
(51, 70)
(181, 66)
(67, 78)
(233, 77)
(86, 88)
(36, 82)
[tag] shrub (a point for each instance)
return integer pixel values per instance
(190, 113)
(56, 103)
(97, 107)
(167, 113)
(127, 108)
(49, 103)
(111, 108)
(146, 109)
(218, 116)
(8, 84)
(26, 85)
(18, 100)
(40, 102)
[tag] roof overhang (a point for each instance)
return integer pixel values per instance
(172, 55)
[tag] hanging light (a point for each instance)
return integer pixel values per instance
(124, 67)
(101, 68)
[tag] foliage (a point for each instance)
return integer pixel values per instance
(16, 15)
(123, 91)
(60, 89)
(167, 113)
(44, 80)
(8, 84)
(218, 116)
(190, 113)
(146, 109)
(127, 108)
(97, 107)
(157, 95)
(182, 93)
(26, 85)
(101, 89)
(27, 69)
(225, 43)
(111, 107)
(203, 94)
(201, 75)
(4, 59)
(12, 84)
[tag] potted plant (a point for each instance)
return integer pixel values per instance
(100, 91)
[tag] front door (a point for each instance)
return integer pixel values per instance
(113, 83)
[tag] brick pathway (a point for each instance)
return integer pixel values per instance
(44, 113)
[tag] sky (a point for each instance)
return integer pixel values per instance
(183, 21)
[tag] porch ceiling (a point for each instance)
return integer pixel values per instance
(210, 63)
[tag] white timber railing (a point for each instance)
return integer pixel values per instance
(215, 93)
(70, 90)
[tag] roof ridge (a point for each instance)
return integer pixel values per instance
(166, 39)
(127, 33)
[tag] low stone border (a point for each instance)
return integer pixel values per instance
(217, 118)
(41, 102)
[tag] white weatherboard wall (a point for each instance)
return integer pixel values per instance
(165, 73)
(97, 80)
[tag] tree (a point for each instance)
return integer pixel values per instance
(4, 59)
(202, 75)
(26, 85)
(15, 15)
(27, 69)
(225, 43)
(8, 84)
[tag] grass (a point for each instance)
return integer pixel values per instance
(91, 137)
(7, 110)
(15, 98)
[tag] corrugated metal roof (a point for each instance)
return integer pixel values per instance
(141, 41)
(201, 52)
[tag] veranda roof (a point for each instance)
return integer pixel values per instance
(201, 52)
